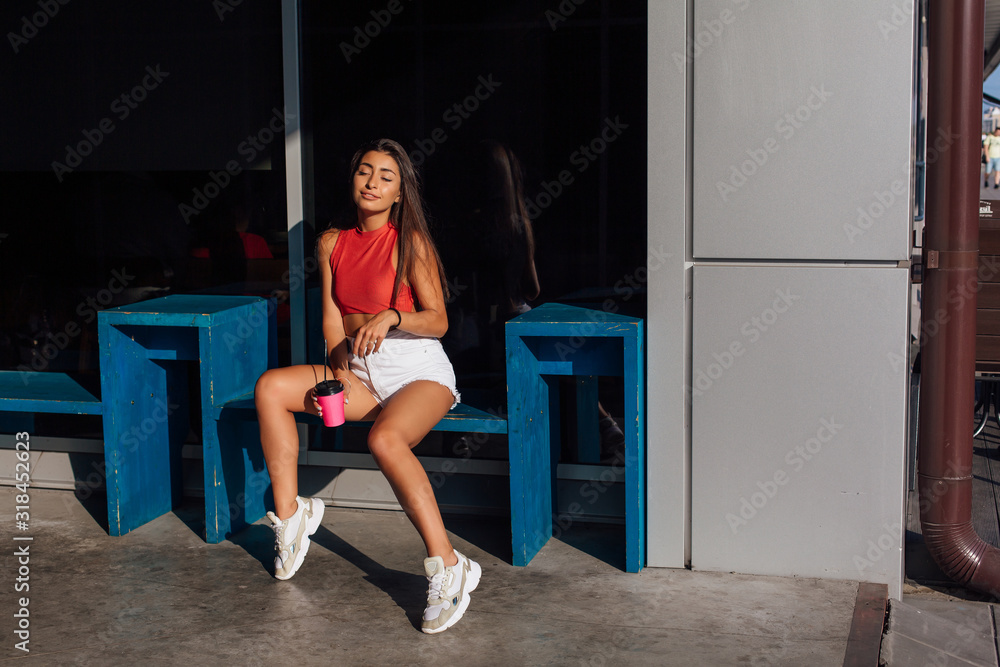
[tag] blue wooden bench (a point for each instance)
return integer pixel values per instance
(23, 394)
(136, 341)
(559, 340)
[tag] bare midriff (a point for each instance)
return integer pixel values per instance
(355, 321)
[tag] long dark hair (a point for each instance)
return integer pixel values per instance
(407, 214)
(507, 223)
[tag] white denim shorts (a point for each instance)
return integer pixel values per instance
(401, 359)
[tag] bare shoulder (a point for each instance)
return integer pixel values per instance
(423, 247)
(325, 243)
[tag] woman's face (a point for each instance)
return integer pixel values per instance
(377, 183)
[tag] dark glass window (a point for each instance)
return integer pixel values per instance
(560, 88)
(143, 156)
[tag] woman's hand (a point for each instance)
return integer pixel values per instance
(345, 379)
(369, 336)
(312, 397)
(348, 381)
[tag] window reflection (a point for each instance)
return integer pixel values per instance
(559, 89)
(142, 152)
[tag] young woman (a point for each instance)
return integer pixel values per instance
(383, 311)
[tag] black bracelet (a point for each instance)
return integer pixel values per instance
(399, 318)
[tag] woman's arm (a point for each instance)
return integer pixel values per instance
(425, 281)
(333, 322)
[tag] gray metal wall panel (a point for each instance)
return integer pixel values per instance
(802, 129)
(667, 459)
(798, 421)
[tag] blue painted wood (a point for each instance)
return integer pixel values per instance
(556, 339)
(556, 319)
(234, 353)
(635, 455)
(45, 392)
(530, 453)
(590, 365)
(182, 310)
(581, 354)
(170, 343)
(137, 444)
(467, 419)
(230, 336)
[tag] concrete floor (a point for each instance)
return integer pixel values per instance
(160, 595)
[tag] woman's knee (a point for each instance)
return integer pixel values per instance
(266, 386)
(382, 443)
(273, 387)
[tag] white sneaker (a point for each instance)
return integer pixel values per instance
(448, 593)
(291, 536)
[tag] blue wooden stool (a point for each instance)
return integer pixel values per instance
(233, 340)
(24, 393)
(554, 340)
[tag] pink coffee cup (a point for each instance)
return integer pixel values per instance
(330, 396)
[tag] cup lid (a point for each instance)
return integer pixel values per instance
(329, 387)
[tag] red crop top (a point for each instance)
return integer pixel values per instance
(361, 263)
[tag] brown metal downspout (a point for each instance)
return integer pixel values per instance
(948, 317)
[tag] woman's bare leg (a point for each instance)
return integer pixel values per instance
(279, 394)
(402, 424)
